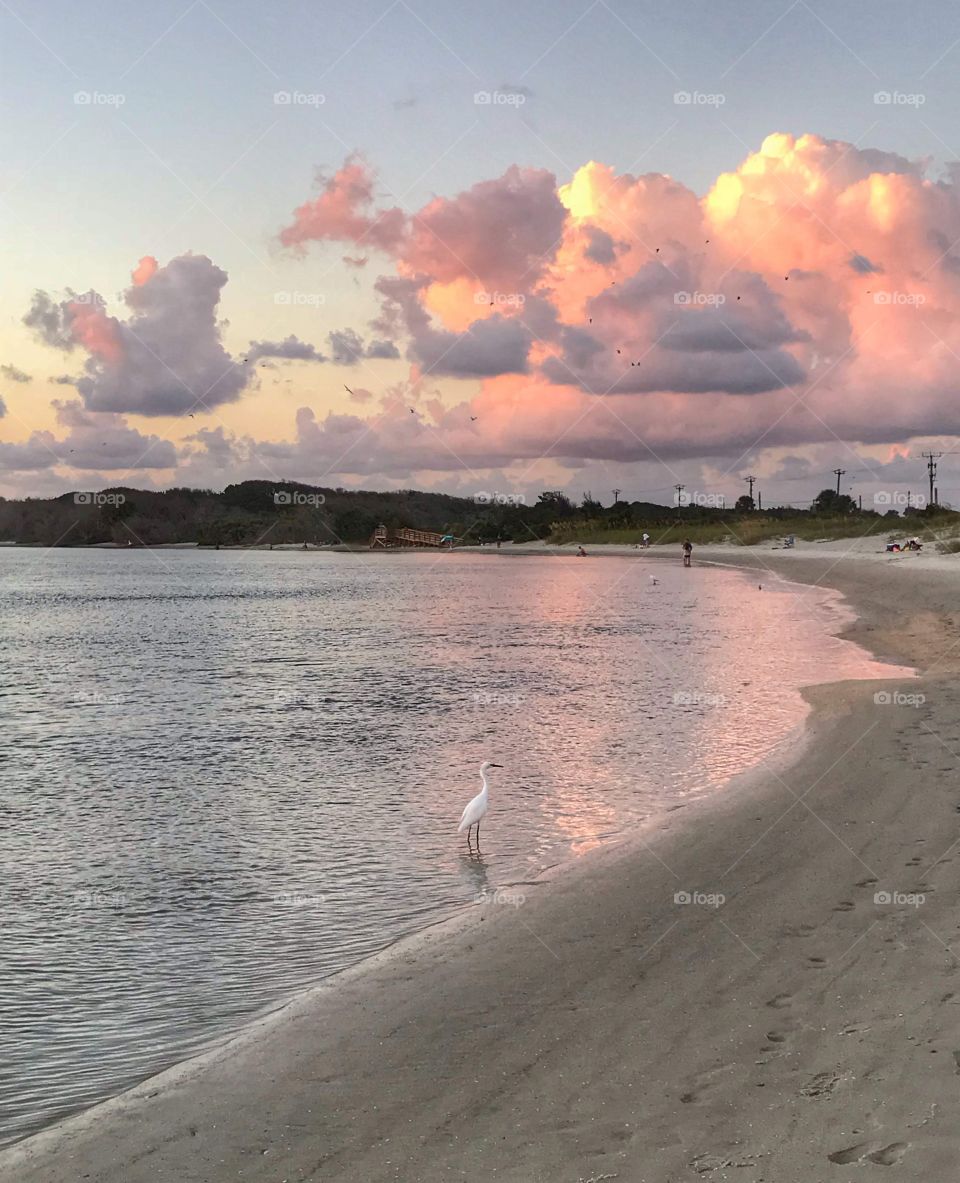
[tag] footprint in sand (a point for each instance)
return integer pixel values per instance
(871, 881)
(821, 1085)
(845, 906)
(775, 1041)
(816, 962)
(799, 930)
(779, 1001)
(851, 1154)
(887, 1156)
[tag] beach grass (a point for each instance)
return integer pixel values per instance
(746, 530)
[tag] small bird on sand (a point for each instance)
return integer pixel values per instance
(476, 810)
(473, 418)
(654, 580)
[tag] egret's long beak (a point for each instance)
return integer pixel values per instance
(496, 765)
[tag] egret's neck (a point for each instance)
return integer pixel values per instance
(483, 781)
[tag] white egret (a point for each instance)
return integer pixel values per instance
(476, 809)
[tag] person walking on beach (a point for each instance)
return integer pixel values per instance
(687, 553)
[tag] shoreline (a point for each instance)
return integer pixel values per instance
(425, 1034)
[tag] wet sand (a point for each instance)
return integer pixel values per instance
(797, 1021)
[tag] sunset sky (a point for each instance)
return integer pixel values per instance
(588, 246)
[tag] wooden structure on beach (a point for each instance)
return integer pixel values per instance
(384, 539)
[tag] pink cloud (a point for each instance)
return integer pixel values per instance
(812, 293)
(343, 212)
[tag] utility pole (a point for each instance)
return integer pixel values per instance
(751, 481)
(759, 501)
(616, 496)
(679, 491)
(838, 473)
(931, 459)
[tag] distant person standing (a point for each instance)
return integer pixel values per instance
(687, 553)
(646, 540)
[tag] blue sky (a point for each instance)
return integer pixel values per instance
(198, 118)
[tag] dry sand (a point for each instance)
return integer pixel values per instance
(807, 1030)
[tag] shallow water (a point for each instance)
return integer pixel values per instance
(229, 774)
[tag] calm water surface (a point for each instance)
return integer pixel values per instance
(229, 774)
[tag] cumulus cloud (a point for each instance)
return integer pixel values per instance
(34, 455)
(811, 294)
(105, 441)
(102, 442)
(166, 358)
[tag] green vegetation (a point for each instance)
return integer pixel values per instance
(732, 528)
(247, 514)
(270, 512)
(831, 516)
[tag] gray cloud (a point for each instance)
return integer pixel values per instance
(106, 442)
(290, 347)
(862, 265)
(601, 248)
(166, 359)
(50, 321)
(13, 374)
(495, 345)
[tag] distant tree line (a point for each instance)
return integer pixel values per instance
(265, 512)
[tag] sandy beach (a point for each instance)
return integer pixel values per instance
(763, 988)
